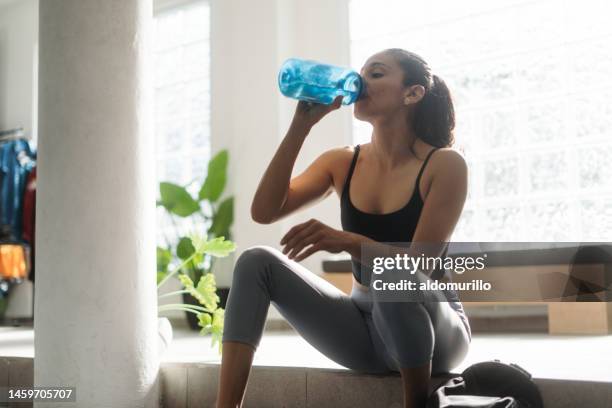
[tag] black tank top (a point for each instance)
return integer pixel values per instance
(396, 226)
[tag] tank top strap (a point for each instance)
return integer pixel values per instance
(423, 166)
(351, 169)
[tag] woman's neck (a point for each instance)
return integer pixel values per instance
(393, 143)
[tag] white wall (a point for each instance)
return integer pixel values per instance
(250, 40)
(318, 30)
(18, 55)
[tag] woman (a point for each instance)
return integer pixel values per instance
(388, 194)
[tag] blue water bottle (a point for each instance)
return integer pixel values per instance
(313, 81)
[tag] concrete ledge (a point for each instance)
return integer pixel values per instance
(16, 372)
(195, 385)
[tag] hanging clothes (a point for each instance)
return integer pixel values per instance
(16, 161)
(29, 218)
(13, 262)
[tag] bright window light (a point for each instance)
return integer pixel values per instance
(182, 101)
(532, 85)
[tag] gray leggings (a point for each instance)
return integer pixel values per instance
(355, 332)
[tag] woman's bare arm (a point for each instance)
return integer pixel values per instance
(277, 194)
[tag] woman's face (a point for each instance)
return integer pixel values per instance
(385, 94)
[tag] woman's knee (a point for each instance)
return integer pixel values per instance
(406, 330)
(254, 262)
(255, 256)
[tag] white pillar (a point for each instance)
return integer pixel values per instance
(95, 299)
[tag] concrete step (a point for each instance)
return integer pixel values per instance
(16, 372)
(194, 385)
(191, 385)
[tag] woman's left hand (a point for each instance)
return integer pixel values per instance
(320, 236)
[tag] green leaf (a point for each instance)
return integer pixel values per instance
(198, 242)
(218, 247)
(184, 249)
(217, 321)
(216, 177)
(195, 263)
(217, 328)
(213, 325)
(205, 322)
(223, 218)
(205, 293)
(198, 259)
(177, 200)
(185, 280)
(164, 256)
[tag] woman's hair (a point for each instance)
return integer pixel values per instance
(434, 115)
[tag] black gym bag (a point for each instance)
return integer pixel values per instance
(489, 384)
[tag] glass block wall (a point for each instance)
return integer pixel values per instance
(182, 103)
(532, 85)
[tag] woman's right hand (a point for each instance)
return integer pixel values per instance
(307, 114)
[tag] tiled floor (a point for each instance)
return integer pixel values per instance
(555, 357)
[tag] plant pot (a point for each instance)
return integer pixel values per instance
(164, 330)
(192, 318)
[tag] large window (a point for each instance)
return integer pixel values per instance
(182, 99)
(532, 84)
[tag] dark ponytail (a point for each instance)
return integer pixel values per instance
(434, 115)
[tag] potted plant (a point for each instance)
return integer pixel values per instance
(215, 216)
(209, 314)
